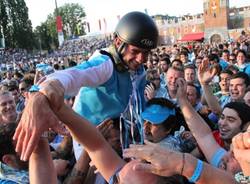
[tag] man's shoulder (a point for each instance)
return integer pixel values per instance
(95, 60)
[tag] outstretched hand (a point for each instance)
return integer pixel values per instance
(36, 118)
(159, 161)
(205, 73)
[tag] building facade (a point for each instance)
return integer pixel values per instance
(217, 23)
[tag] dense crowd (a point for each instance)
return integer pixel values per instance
(195, 123)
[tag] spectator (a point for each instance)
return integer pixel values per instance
(7, 108)
(190, 74)
(247, 97)
(242, 62)
(13, 170)
(154, 88)
(172, 75)
(160, 124)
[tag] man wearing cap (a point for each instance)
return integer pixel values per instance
(112, 83)
(161, 123)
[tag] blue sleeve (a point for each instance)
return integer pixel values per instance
(2, 181)
(247, 70)
(223, 64)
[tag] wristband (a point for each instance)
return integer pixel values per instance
(114, 178)
(217, 156)
(34, 88)
(197, 172)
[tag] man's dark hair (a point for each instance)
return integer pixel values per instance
(199, 57)
(185, 53)
(176, 60)
(72, 63)
(227, 71)
(242, 75)
(166, 59)
(242, 110)
(179, 69)
(150, 74)
(226, 51)
(12, 85)
(56, 66)
(242, 51)
(6, 142)
(198, 92)
(190, 66)
(214, 57)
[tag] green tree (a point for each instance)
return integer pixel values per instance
(72, 15)
(17, 27)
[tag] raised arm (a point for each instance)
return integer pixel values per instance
(41, 168)
(100, 152)
(197, 125)
(205, 76)
(39, 115)
(91, 73)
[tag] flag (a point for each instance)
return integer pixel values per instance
(59, 24)
(105, 24)
(88, 26)
(100, 24)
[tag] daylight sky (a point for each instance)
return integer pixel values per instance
(110, 9)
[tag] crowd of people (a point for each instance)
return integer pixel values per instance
(131, 112)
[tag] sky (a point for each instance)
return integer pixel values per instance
(110, 9)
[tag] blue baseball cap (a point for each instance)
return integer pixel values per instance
(156, 114)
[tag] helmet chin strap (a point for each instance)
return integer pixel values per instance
(117, 55)
(120, 49)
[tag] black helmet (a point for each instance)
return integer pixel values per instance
(138, 29)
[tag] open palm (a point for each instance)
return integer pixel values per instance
(206, 74)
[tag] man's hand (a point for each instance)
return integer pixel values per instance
(181, 88)
(36, 118)
(241, 150)
(105, 127)
(206, 74)
(149, 92)
(159, 161)
(54, 91)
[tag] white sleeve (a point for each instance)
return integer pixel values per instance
(73, 79)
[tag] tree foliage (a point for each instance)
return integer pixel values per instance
(72, 15)
(15, 23)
